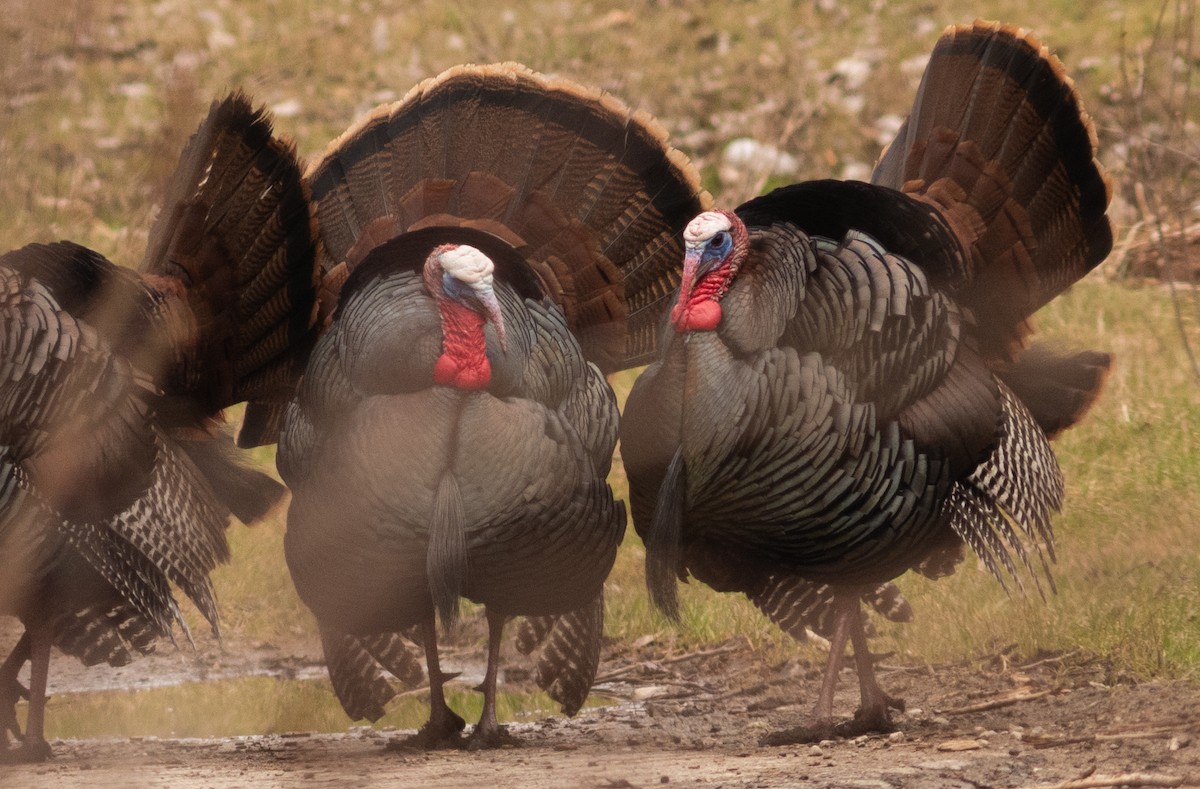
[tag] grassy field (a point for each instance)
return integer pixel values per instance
(98, 96)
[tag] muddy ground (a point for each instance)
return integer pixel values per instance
(695, 720)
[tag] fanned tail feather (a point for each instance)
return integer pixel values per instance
(354, 670)
(584, 194)
(570, 653)
(1003, 509)
(999, 143)
(236, 235)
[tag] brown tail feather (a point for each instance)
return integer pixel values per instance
(999, 142)
(1058, 389)
(570, 653)
(357, 681)
(249, 493)
(586, 192)
(235, 240)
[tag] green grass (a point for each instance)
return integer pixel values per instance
(98, 96)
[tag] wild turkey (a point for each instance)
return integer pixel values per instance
(117, 479)
(846, 394)
(482, 238)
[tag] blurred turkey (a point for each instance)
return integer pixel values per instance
(117, 479)
(483, 239)
(847, 393)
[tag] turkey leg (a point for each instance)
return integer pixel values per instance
(820, 723)
(488, 733)
(872, 714)
(12, 691)
(34, 747)
(444, 724)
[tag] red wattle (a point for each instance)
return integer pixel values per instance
(474, 378)
(701, 315)
(445, 371)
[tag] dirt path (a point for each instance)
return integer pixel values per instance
(697, 721)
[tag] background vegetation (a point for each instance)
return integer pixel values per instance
(98, 96)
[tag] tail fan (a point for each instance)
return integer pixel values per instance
(1058, 389)
(1003, 509)
(999, 143)
(585, 195)
(570, 653)
(236, 239)
(249, 493)
(354, 663)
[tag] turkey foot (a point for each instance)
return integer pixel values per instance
(30, 752)
(33, 748)
(872, 715)
(440, 731)
(488, 733)
(444, 724)
(12, 691)
(493, 736)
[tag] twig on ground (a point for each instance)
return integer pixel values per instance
(1003, 701)
(1121, 779)
(1044, 661)
(1141, 734)
(623, 670)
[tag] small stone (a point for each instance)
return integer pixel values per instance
(815, 750)
(1177, 742)
(915, 712)
(896, 737)
(969, 744)
(827, 743)
(941, 720)
(861, 740)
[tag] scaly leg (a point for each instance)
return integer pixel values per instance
(872, 714)
(488, 733)
(34, 747)
(444, 724)
(12, 691)
(820, 723)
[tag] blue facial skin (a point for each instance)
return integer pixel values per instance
(455, 288)
(715, 251)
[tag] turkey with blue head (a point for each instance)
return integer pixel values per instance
(848, 390)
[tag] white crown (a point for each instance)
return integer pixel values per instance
(705, 226)
(469, 266)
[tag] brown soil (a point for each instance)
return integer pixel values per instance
(696, 721)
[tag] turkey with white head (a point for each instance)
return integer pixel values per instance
(494, 244)
(847, 391)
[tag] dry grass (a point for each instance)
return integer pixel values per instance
(97, 97)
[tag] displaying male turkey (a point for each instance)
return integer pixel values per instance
(846, 392)
(115, 477)
(483, 239)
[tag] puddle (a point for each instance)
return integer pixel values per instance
(257, 705)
